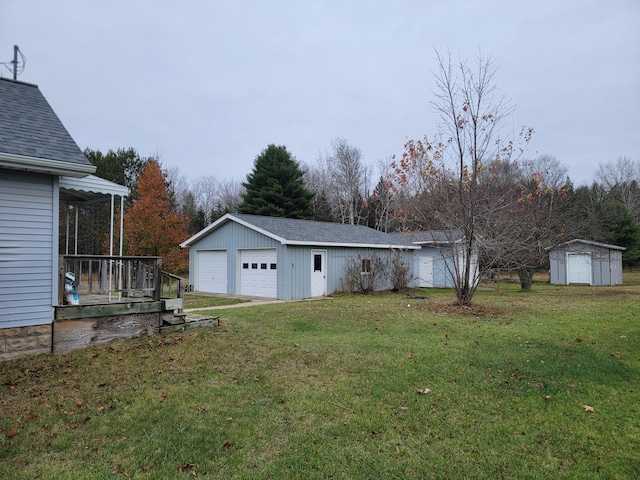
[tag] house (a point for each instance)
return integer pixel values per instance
(285, 258)
(435, 264)
(35, 151)
(40, 165)
(585, 262)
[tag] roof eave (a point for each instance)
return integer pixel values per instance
(304, 243)
(46, 166)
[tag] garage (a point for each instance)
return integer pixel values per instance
(259, 273)
(212, 271)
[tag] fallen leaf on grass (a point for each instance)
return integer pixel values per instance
(12, 433)
(202, 409)
(145, 468)
(226, 446)
(578, 340)
(187, 467)
(410, 355)
(127, 473)
(588, 409)
(547, 397)
(163, 397)
(424, 391)
(404, 409)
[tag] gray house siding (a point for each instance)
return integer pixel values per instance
(28, 272)
(606, 262)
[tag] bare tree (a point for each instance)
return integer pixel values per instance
(447, 175)
(622, 179)
(349, 179)
(229, 195)
(205, 190)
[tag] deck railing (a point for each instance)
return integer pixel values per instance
(114, 277)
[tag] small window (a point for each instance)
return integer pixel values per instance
(317, 262)
(263, 266)
(254, 266)
(245, 265)
(366, 265)
(273, 266)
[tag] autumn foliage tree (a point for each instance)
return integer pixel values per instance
(150, 225)
(444, 177)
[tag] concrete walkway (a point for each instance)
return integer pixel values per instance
(253, 301)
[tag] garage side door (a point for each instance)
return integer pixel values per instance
(579, 268)
(259, 273)
(212, 271)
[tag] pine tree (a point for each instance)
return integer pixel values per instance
(275, 186)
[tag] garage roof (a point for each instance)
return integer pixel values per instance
(290, 231)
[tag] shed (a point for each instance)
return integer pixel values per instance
(436, 262)
(585, 262)
(283, 258)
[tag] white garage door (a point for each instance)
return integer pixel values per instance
(579, 268)
(259, 273)
(212, 271)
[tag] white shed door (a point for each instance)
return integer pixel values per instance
(212, 271)
(259, 273)
(425, 272)
(578, 268)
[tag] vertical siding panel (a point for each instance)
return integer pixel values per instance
(28, 236)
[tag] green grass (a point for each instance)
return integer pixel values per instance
(328, 389)
(194, 300)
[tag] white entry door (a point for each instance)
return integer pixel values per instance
(212, 271)
(425, 272)
(259, 273)
(318, 273)
(579, 268)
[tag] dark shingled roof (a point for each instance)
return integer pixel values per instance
(431, 236)
(309, 232)
(30, 128)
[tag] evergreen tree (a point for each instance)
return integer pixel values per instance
(275, 186)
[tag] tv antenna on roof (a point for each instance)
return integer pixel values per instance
(16, 66)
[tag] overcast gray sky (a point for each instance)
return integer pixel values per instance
(207, 85)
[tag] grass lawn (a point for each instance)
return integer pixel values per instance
(543, 384)
(195, 300)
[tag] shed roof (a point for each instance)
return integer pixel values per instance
(587, 242)
(292, 231)
(32, 137)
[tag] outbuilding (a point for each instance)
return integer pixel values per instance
(285, 258)
(440, 258)
(585, 262)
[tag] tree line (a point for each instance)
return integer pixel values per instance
(471, 180)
